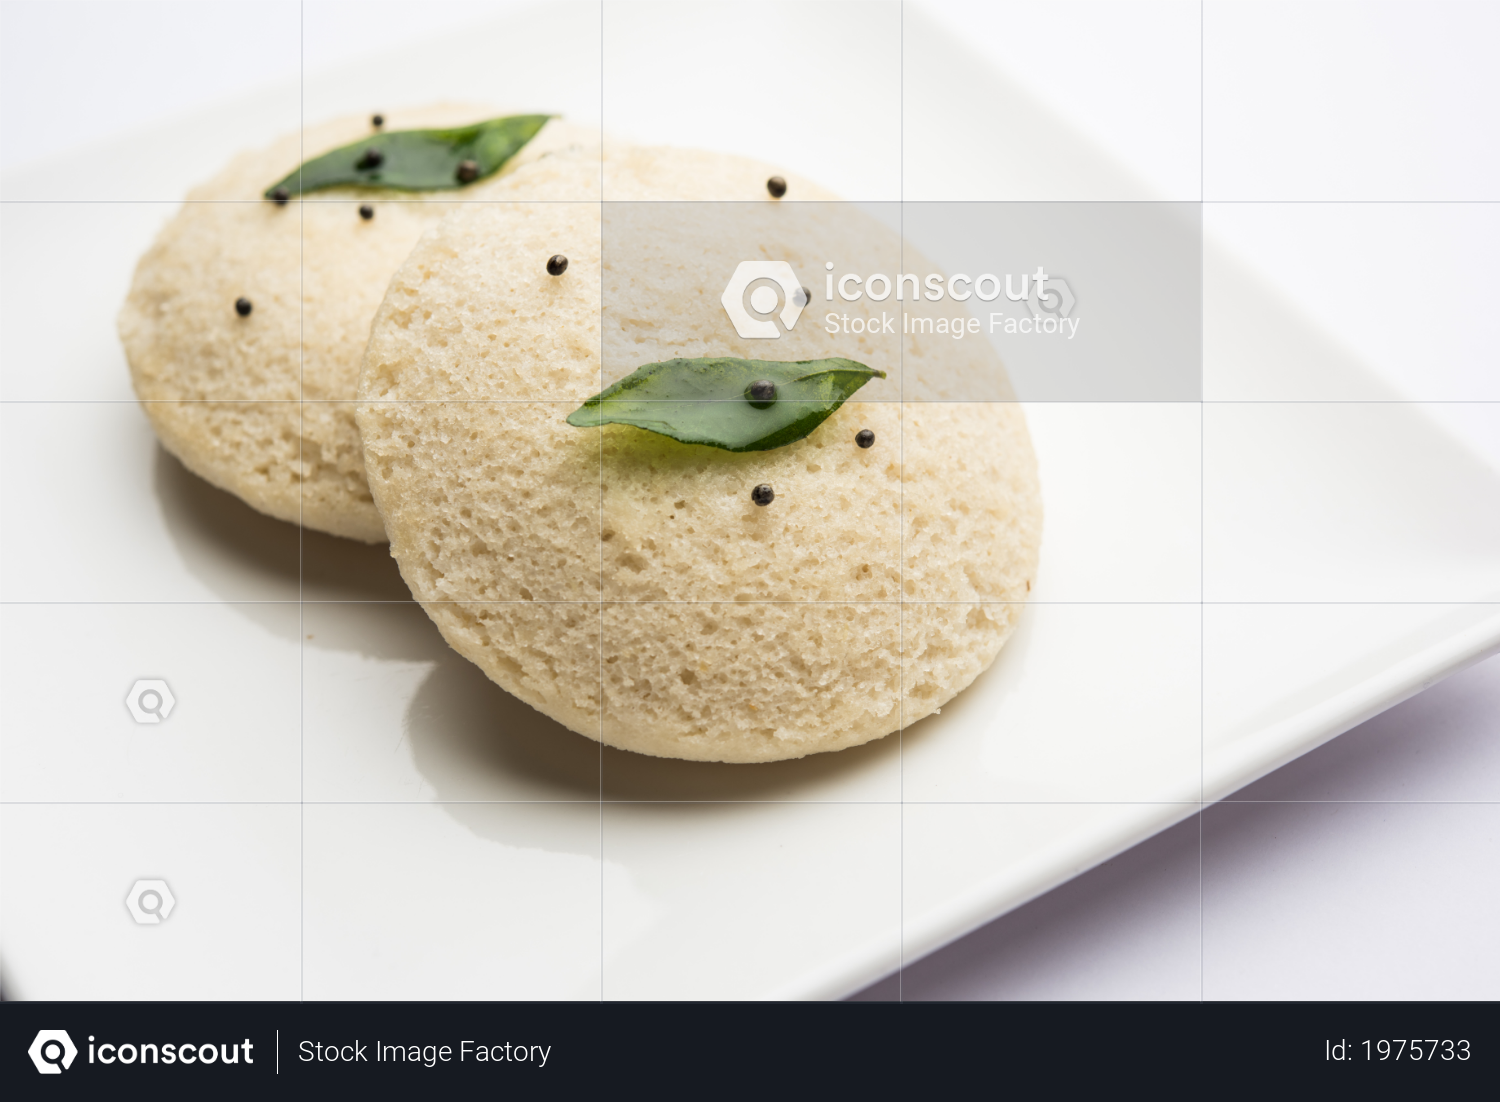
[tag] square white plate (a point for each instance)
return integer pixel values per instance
(1223, 587)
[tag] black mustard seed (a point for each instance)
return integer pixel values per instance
(243, 306)
(763, 494)
(865, 438)
(557, 265)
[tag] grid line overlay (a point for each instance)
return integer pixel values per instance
(603, 31)
(721, 202)
(1202, 612)
(301, 528)
(1187, 802)
(901, 592)
(304, 600)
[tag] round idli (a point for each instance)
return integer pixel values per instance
(627, 585)
(246, 320)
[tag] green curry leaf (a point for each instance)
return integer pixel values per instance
(416, 160)
(707, 400)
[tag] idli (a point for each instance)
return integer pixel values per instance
(648, 593)
(247, 318)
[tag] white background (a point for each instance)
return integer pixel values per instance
(1345, 151)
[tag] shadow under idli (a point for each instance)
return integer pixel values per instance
(472, 740)
(237, 552)
(499, 767)
(336, 569)
(249, 559)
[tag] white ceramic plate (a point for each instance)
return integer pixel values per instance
(346, 809)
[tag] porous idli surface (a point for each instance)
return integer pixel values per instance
(624, 583)
(262, 406)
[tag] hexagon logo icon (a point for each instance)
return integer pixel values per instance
(755, 321)
(52, 1051)
(1057, 299)
(150, 901)
(150, 701)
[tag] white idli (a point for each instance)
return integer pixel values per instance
(260, 405)
(625, 584)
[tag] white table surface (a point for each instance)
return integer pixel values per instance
(1363, 870)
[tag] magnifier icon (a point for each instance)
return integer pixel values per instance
(52, 1051)
(150, 701)
(150, 902)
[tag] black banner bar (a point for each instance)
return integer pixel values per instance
(544, 1049)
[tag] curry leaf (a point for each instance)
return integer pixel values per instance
(708, 401)
(417, 160)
